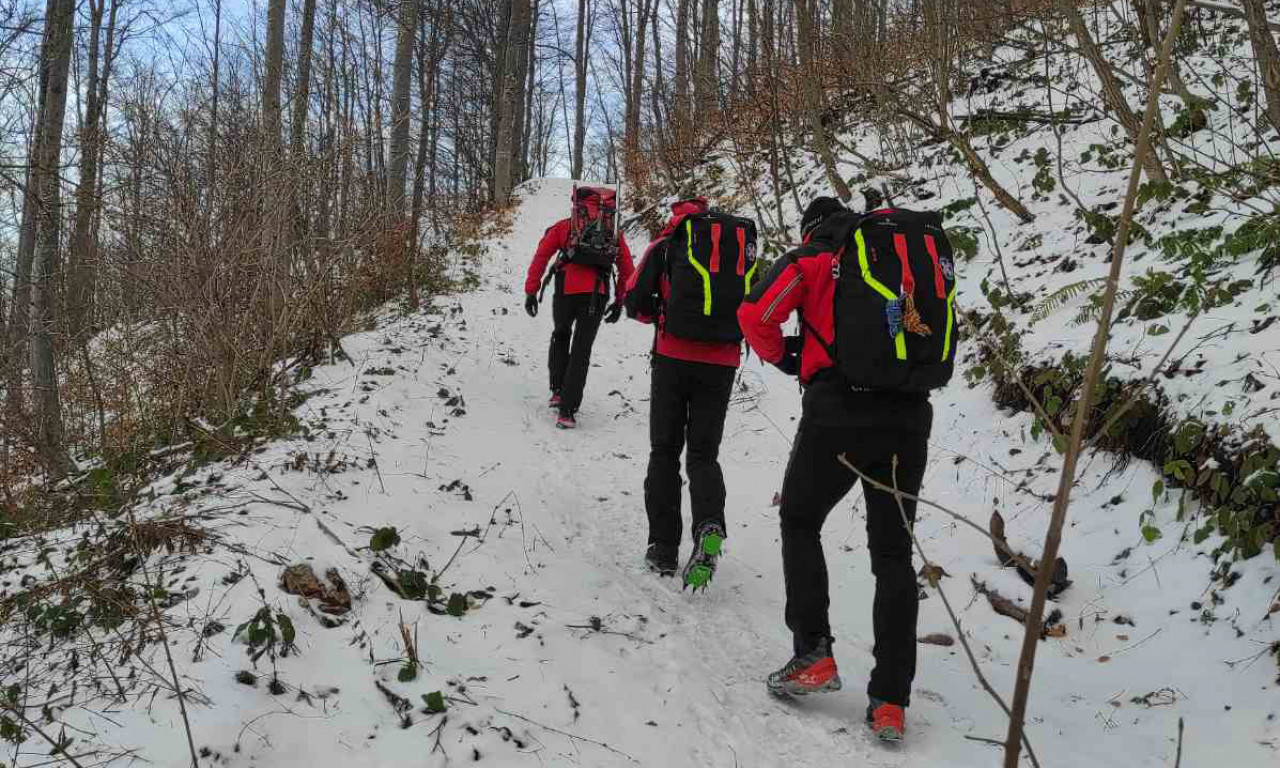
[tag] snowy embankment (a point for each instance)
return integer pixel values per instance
(568, 653)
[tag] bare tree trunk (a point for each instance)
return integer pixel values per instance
(49, 434)
(582, 49)
(1149, 13)
(524, 140)
(429, 56)
(274, 70)
(81, 286)
(682, 57)
(302, 97)
(842, 34)
(211, 161)
(1084, 405)
(521, 81)
(634, 103)
(515, 64)
(402, 100)
(20, 318)
(1111, 92)
(1265, 51)
(706, 81)
(806, 16)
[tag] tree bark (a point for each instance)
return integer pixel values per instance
(582, 49)
(514, 82)
(634, 104)
(706, 81)
(271, 118)
(682, 58)
(1265, 51)
(806, 16)
(519, 138)
(401, 99)
(302, 98)
(49, 428)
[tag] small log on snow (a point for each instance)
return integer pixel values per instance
(1027, 568)
(1026, 116)
(1005, 607)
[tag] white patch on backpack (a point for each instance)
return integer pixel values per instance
(948, 268)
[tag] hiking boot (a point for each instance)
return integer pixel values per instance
(662, 559)
(812, 672)
(701, 567)
(554, 403)
(888, 721)
(566, 421)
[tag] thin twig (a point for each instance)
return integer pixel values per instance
(1113, 654)
(373, 456)
(1003, 546)
(58, 747)
(1133, 398)
(601, 631)
(1177, 763)
(584, 739)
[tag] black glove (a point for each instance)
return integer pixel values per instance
(789, 364)
(613, 313)
(531, 304)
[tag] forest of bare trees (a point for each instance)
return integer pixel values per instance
(201, 196)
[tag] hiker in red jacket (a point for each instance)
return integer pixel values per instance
(696, 353)
(870, 427)
(578, 304)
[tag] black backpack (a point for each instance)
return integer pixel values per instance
(711, 264)
(895, 316)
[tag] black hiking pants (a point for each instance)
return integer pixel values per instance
(577, 319)
(687, 405)
(870, 429)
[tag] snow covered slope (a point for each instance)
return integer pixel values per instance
(571, 654)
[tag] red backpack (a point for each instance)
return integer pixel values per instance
(593, 235)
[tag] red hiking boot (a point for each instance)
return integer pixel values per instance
(813, 672)
(566, 421)
(888, 721)
(554, 403)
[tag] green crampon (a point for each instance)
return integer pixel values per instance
(702, 565)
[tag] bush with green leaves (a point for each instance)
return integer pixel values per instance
(268, 632)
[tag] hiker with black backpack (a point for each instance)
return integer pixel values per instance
(588, 246)
(875, 294)
(689, 285)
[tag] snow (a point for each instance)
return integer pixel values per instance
(672, 679)
(1227, 369)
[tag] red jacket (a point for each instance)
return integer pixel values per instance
(649, 284)
(577, 278)
(801, 281)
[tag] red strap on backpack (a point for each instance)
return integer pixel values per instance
(715, 247)
(908, 279)
(939, 283)
(742, 253)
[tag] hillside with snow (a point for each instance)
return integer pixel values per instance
(515, 569)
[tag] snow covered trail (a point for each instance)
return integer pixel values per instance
(573, 655)
(686, 688)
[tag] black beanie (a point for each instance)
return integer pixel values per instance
(817, 212)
